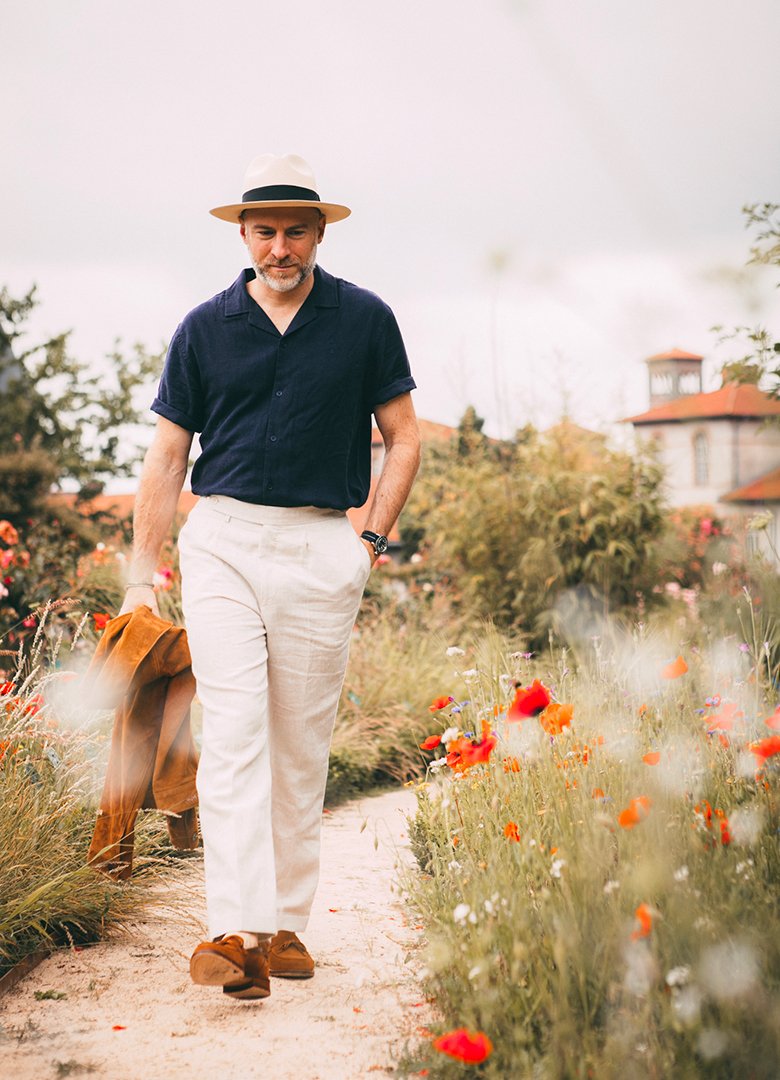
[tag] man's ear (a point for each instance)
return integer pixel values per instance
(242, 230)
(321, 231)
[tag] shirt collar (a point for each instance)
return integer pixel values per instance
(324, 293)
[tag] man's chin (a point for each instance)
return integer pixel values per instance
(282, 283)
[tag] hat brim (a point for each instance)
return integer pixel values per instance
(332, 211)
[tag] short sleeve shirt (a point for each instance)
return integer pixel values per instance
(284, 419)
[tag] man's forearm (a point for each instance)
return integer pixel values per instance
(155, 506)
(399, 469)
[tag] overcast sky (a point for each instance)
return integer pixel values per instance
(545, 191)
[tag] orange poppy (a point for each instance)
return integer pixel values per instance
(766, 748)
(431, 742)
(724, 720)
(511, 831)
(511, 764)
(8, 533)
(529, 701)
(636, 811)
(472, 1047)
(440, 703)
(652, 758)
(644, 918)
(773, 721)
(556, 717)
(597, 793)
(674, 670)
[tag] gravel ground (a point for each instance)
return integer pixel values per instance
(126, 1009)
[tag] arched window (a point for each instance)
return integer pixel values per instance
(701, 459)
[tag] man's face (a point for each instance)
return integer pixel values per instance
(282, 244)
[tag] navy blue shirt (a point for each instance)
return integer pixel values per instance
(284, 419)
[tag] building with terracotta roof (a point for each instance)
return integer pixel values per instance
(720, 448)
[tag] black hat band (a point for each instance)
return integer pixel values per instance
(279, 192)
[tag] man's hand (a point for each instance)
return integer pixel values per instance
(370, 549)
(137, 595)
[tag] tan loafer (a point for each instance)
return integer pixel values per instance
(219, 963)
(255, 983)
(288, 957)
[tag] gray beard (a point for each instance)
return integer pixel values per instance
(283, 285)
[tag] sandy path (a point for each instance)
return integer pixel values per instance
(344, 1024)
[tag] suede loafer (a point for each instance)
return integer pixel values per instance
(255, 983)
(288, 957)
(219, 963)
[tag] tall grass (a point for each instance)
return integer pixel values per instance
(49, 777)
(584, 938)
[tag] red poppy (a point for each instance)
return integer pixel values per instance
(725, 835)
(529, 701)
(636, 811)
(724, 720)
(773, 721)
(469, 1046)
(556, 717)
(674, 670)
(652, 758)
(431, 742)
(6, 688)
(766, 748)
(440, 703)
(100, 620)
(511, 831)
(463, 753)
(644, 918)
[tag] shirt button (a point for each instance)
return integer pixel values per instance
(270, 487)
(273, 438)
(278, 393)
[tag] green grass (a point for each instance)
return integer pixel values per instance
(536, 942)
(49, 779)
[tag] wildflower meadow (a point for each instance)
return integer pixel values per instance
(597, 841)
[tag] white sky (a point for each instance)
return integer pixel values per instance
(545, 191)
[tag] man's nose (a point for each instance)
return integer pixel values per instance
(280, 247)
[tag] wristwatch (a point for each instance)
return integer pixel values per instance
(379, 542)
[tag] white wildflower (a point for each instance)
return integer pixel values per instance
(437, 763)
(760, 521)
(461, 913)
(449, 735)
(678, 976)
(472, 917)
(719, 568)
(557, 866)
(610, 887)
(476, 970)
(681, 874)
(453, 650)
(454, 865)
(472, 673)
(490, 907)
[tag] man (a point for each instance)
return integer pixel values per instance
(280, 375)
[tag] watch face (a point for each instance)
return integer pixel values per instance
(380, 545)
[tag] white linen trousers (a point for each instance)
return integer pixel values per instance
(270, 596)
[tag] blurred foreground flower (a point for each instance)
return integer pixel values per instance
(511, 831)
(556, 717)
(674, 670)
(529, 701)
(101, 619)
(472, 1047)
(644, 918)
(636, 811)
(431, 742)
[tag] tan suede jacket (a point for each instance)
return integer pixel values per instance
(142, 667)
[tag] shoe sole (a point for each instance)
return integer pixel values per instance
(292, 974)
(245, 993)
(211, 969)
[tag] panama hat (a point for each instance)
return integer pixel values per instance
(273, 180)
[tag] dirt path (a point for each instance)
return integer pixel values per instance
(345, 1024)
